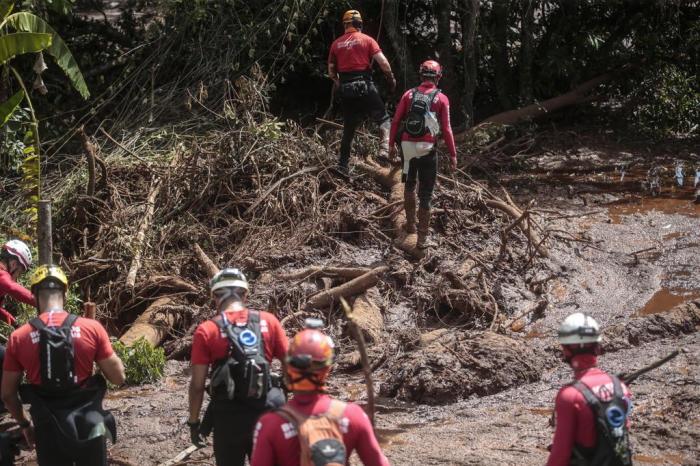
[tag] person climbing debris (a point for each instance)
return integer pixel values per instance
(422, 115)
(57, 351)
(15, 259)
(350, 67)
(313, 428)
(239, 345)
(592, 412)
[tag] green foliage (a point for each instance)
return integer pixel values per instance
(27, 22)
(7, 108)
(665, 102)
(143, 363)
(20, 43)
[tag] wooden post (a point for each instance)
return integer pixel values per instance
(45, 239)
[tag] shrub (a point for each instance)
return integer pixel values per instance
(143, 363)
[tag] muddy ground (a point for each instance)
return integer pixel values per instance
(619, 254)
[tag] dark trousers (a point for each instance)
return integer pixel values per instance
(233, 426)
(423, 171)
(355, 110)
(50, 452)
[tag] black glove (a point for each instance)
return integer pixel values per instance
(196, 438)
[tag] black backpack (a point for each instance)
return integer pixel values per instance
(420, 107)
(245, 374)
(612, 443)
(56, 354)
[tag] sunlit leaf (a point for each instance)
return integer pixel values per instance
(7, 108)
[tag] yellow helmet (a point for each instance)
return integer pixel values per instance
(352, 16)
(49, 276)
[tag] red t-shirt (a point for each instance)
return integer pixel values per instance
(10, 287)
(276, 442)
(90, 342)
(440, 106)
(353, 52)
(575, 420)
(209, 344)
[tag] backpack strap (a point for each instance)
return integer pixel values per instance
(38, 324)
(590, 397)
(618, 392)
(336, 409)
(292, 415)
(69, 321)
(254, 324)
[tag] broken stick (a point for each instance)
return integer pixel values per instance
(355, 286)
(206, 263)
(366, 370)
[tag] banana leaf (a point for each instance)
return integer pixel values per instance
(6, 7)
(19, 43)
(28, 22)
(8, 107)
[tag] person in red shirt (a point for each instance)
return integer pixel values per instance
(239, 345)
(15, 259)
(591, 413)
(25, 356)
(350, 67)
(423, 113)
(277, 440)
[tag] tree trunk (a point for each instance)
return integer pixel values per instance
(406, 74)
(470, 16)
(526, 55)
(444, 46)
(152, 325)
(500, 54)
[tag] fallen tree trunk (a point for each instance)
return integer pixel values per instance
(353, 287)
(207, 264)
(152, 325)
(367, 315)
(579, 94)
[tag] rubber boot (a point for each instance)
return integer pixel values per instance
(409, 205)
(423, 228)
(384, 130)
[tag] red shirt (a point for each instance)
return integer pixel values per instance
(210, 345)
(90, 341)
(575, 419)
(440, 106)
(10, 287)
(353, 52)
(276, 442)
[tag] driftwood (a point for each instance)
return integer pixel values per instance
(353, 287)
(140, 240)
(207, 264)
(153, 324)
(341, 272)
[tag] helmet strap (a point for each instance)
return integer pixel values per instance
(311, 377)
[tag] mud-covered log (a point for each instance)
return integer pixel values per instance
(140, 240)
(153, 325)
(368, 316)
(207, 264)
(353, 287)
(341, 272)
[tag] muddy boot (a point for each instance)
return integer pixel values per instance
(423, 228)
(409, 205)
(384, 130)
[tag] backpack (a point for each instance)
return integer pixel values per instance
(320, 437)
(244, 375)
(612, 444)
(56, 354)
(415, 123)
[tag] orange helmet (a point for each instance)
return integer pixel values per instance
(352, 16)
(431, 69)
(309, 359)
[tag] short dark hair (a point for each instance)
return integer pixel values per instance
(5, 257)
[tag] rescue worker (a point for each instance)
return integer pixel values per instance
(56, 352)
(15, 259)
(313, 424)
(422, 114)
(350, 67)
(238, 345)
(592, 412)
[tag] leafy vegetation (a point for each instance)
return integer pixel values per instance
(143, 363)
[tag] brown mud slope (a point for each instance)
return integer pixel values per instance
(457, 365)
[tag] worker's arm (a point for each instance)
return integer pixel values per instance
(386, 69)
(196, 391)
(565, 432)
(446, 128)
(263, 442)
(367, 446)
(333, 73)
(113, 369)
(17, 291)
(399, 115)
(9, 393)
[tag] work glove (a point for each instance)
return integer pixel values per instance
(195, 436)
(453, 165)
(391, 81)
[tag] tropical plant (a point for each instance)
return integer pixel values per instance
(143, 363)
(22, 33)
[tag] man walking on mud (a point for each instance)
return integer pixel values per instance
(592, 412)
(423, 113)
(239, 345)
(350, 67)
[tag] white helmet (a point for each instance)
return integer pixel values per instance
(228, 277)
(579, 329)
(21, 251)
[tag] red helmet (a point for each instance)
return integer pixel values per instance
(430, 69)
(309, 359)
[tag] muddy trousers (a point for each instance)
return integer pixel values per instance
(233, 427)
(422, 171)
(50, 453)
(355, 110)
